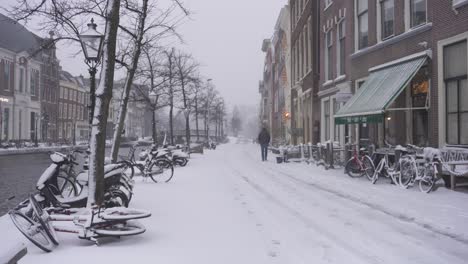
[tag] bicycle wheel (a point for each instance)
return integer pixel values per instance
(121, 213)
(33, 231)
(129, 171)
(426, 183)
(161, 171)
(66, 187)
(408, 171)
(353, 169)
(43, 219)
(369, 167)
(128, 228)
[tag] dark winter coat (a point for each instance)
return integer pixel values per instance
(264, 137)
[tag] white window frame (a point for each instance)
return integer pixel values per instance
(328, 46)
(328, 3)
(408, 16)
(380, 21)
(356, 27)
(341, 22)
(441, 84)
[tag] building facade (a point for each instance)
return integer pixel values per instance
(73, 119)
(403, 73)
(336, 45)
(305, 15)
(20, 82)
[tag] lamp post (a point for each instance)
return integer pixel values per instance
(91, 43)
(153, 97)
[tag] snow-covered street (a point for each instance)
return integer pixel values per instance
(227, 206)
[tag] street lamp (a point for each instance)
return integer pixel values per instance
(91, 43)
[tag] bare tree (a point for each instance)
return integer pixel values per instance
(162, 24)
(186, 74)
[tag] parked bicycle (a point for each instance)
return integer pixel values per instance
(385, 168)
(360, 164)
(35, 223)
(422, 166)
(157, 164)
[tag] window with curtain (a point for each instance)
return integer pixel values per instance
(387, 10)
(456, 85)
(418, 13)
(363, 23)
(341, 47)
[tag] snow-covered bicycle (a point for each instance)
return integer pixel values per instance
(157, 164)
(40, 225)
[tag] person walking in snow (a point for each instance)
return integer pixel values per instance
(264, 141)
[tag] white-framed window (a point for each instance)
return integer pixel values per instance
(418, 12)
(305, 52)
(328, 54)
(7, 74)
(327, 3)
(362, 15)
(455, 57)
(326, 119)
(34, 82)
(309, 40)
(336, 128)
(387, 18)
(21, 80)
(341, 48)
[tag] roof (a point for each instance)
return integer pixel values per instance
(19, 38)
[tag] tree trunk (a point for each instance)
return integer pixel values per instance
(129, 82)
(171, 121)
(101, 111)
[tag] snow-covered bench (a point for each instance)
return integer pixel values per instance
(455, 162)
(11, 252)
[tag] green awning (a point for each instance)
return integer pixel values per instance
(384, 85)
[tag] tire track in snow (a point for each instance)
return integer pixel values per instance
(396, 215)
(367, 257)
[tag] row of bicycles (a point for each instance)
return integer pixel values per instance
(60, 203)
(412, 166)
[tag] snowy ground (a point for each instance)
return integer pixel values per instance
(229, 207)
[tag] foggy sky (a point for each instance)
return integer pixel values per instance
(225, 36)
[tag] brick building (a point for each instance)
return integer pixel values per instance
(73, 111)
(305, 70)
(336, 45)
(408, 60)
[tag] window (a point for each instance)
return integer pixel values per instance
(455, 76)
(418, 12)
(20, 124)
(387, 10)
(341, 58)
(328, 55)
(34, 82)
(363, 23)
(6, 123)
(309, 40)
(7, 71)
(326, 110)
(328, 3)
(336, 107)
(60, 110)
(61, 92)
(21, 80)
